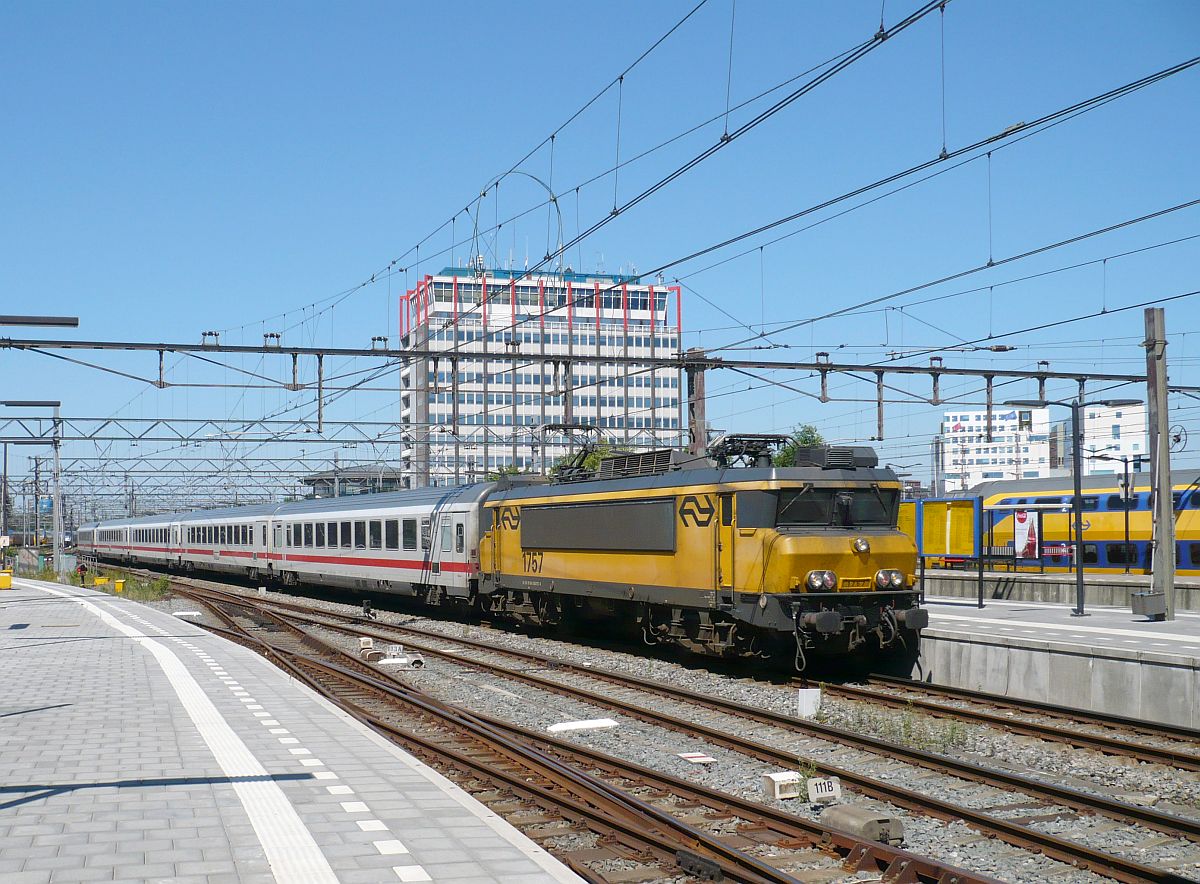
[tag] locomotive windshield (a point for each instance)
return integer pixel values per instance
(837, 507)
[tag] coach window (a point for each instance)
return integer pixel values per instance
(331, 534)
(287, 534)
(459, 537)
(376, 535)
(321, 535)
(1091, 503)
(221, 535)
(308, 534)
(410, 533)
(1091, 554)
(391, 534)
(1194, 553)
(360, 535)
(1121, 553)
(263, 536)
(445, 538)
(347, 539)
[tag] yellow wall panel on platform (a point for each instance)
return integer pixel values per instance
(948, 528)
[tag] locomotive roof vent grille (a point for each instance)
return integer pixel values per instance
(837, 457)
(642, 463)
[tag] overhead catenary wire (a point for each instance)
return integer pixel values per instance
(1012, 134)
(861, 51)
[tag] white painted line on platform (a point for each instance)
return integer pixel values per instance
(289, 845)
(372, 825)
(339, 790)
(354, 807)
(288, 741)
(312, 762)
(324, 775)
(1094, 630)
(957, 602)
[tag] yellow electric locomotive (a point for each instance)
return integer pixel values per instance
(724, 555)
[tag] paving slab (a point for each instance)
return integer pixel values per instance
(135, 745)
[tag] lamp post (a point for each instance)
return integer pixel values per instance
(1077, 468)
(1126, 488)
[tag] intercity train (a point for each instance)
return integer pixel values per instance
(1106, 511)
(723, 555)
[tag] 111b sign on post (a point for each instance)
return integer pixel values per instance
(824, 790)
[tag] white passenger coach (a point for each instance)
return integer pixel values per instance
(419, 542)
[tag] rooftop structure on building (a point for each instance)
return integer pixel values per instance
(466, 417)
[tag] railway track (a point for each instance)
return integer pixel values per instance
(1065, 850)
(573, 783)
(1122, 737)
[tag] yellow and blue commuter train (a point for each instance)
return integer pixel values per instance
(728, 556)
(1105, 509)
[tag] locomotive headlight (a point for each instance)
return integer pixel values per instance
(821, 580)
(862, 545)
(888, 578)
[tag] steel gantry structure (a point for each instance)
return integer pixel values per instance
(244, 476)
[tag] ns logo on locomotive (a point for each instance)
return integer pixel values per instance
(723, 554)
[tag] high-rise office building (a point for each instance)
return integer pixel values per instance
(466, 417)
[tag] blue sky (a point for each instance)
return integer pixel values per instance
(174, 168)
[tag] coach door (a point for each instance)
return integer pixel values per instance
(725, 545)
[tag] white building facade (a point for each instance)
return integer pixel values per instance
(1016, 446)
(465, 417)
(1109, 435)
(1023, 444)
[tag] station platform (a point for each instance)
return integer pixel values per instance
(135, 746)
(1109, 661)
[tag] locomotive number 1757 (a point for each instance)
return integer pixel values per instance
(532, 562)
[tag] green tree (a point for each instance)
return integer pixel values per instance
(804, 436)
(507, 470)
(590, 463)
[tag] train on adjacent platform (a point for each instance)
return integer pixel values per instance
(1107, 509)
(722, 554)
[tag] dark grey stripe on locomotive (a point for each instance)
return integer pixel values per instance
(628, 526)
(680, 596)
